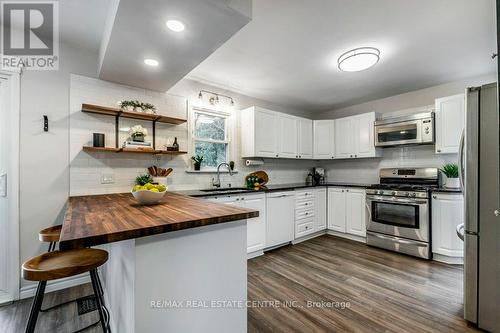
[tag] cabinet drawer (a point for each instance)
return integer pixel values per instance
(304, 214)
(304, 195)
(305, 204)
(304, 229)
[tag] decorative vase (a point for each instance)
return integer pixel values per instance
(138, 109)
(197, 166)
(452, 183)
(149, 111)
(138, 138)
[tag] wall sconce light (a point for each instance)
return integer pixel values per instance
(215, 98)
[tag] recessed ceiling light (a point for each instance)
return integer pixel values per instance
(151, 62)
(358, 59)
(175, 25)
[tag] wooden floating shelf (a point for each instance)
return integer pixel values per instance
(116, 112)
(132, 150)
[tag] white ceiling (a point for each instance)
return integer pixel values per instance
(287, 54)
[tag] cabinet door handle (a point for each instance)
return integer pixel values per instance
(497, 212)
(439, 150)
(434, 197)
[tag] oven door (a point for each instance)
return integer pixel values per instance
(402, 133)
(400, 217)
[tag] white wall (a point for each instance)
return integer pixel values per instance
(44, 171)
(367, 170)
(87, 169)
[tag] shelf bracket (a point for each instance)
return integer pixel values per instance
(117, 129)
(154, 134)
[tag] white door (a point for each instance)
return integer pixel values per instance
(337, 209)
(266, 133)
(288, 130)
(450, 120)
(356, 212)
(320, 209)
(344, 138)
(364, 134)
(324, 138)
(256, 227)
(447, 213)
(305, 140)
(9, 205)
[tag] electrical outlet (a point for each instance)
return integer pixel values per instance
(107, 178)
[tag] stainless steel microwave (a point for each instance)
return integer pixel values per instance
(406, 130)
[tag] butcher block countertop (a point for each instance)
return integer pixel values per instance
(101, 219)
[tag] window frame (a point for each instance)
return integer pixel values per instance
(228, 132)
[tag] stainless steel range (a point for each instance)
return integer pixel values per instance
(400, 210)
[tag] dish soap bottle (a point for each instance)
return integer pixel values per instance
(175, 145)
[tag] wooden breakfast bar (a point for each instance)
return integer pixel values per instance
(178, 266)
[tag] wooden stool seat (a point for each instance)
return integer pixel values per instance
(50, 234)
(61, 264)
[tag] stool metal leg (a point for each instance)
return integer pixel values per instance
(35, 307)
(100, 303)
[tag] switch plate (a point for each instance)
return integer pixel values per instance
(107, 178)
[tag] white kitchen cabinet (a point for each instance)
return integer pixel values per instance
(280, 218)
(305, 138)
(447, 213)
(346, 210)
(450, 121)
(324, 139)
(337, 209)
(354, 136)
(288, 136)
(256, 227)
(304, 212)
(259, 132)
(320, 209)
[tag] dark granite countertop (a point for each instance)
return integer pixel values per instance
(268, 188)
(447, 190)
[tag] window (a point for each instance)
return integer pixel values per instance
(210, 137)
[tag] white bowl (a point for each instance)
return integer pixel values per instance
(145, 197)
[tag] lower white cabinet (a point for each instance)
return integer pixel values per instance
(320, 208)
(447, 213)
(310, 211)
(346, 210)
(256, 227)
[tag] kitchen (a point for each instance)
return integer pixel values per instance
(354, 210)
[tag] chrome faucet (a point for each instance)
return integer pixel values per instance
(216, 183)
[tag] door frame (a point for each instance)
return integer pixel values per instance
(11, 237)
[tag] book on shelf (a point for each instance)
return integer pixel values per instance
(134, 144)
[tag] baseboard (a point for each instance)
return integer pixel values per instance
(30, 290)
(254, 254)
(447, 259)
(308, 237)
(348, 236)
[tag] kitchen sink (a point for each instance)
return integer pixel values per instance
(225, 189)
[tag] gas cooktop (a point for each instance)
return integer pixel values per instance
(406, 182)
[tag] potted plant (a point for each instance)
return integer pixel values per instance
(197, 162)
(138, 133)
(138, 106)
(127, 105)
(451, 172)
(148, 107)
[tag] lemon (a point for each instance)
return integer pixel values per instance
(154, 190)
(161, 188)
(137, 188)
(148, 186)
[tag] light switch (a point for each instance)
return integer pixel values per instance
(3, 185)
(107, 178)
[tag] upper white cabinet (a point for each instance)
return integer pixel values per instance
(266, 133)
(259, 134)
(346, 210)
(354, 137)
(305, 138)
(324, 138)
(450, 120)
(288, 136)
(447, 213)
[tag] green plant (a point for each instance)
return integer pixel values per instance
(197, 159)
(143, 179)
(138, 130)
(450, 170)
(124, 104)
(148, 106)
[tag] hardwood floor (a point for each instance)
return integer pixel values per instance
(370, 290)
(375, 291)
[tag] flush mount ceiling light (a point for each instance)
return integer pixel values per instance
(175, 25)
(358, 59)
(151, 62)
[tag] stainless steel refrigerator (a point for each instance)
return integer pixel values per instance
(480, 175)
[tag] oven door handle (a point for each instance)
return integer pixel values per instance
(398, 200)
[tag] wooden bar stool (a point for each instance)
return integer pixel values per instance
(52, 235)
(61, 264)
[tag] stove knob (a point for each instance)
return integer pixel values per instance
(414, 194)
(393, 192)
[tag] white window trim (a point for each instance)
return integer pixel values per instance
(230, 130)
